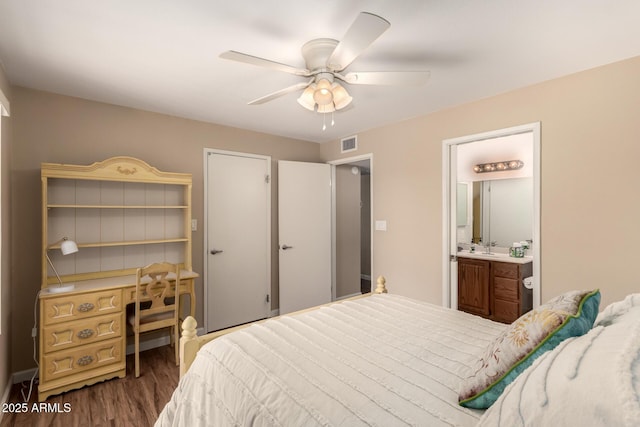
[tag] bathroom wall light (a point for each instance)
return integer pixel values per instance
(506, 165)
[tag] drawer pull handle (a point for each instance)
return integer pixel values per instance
(85, 360)
(85, 333)
(87, 306)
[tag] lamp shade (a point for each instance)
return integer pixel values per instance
(306, 99)
(327, 108)
(68, 247)
(341, 97)
(324, 97)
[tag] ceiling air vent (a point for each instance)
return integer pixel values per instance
(349, 144)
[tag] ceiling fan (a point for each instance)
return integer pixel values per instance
(326, 59)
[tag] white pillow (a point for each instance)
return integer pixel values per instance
(591, 380)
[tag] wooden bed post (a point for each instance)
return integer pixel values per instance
(188, 344)
(381, 288)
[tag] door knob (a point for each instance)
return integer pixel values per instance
(285, 247)
(216, 251)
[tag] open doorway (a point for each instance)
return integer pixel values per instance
(352, 237)
(460, 235)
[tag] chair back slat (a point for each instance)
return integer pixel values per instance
(157, 303)
(154, 284)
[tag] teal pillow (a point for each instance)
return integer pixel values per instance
(569, 315)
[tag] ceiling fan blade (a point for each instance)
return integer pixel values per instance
(365, 30)
(261, 62)
(280, 93)
(387, 78)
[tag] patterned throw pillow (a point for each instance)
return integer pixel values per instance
(569, 315)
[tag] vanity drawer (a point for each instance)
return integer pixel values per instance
(505, 269)
(65, 308)
(506, 289)
(93, 356)
(506, 311)
(62, 336)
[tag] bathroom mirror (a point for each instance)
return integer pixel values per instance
(461, 204)
(502, 211)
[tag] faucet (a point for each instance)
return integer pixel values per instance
(487, 247)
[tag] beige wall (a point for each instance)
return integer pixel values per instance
(5, 289)
(590, 146)
(54, 128)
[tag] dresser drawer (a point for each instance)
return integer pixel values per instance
(65, 308)
(66, 335)
(505, 289)
(505, 269)
(85, 358)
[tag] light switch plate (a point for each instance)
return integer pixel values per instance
(381, 225)
(194, 225)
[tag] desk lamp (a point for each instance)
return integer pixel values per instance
(66, 247)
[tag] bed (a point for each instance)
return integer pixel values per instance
(387, 360)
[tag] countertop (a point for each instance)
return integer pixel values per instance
(494, 256)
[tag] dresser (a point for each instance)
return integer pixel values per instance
(123, 214)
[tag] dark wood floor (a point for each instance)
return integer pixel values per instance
(128, 401)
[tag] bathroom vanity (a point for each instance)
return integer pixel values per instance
(492, 285)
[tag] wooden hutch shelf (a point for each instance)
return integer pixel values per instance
(123, 214)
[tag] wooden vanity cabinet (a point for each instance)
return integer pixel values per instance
(473, 286)
(510, 298)
(493, 289)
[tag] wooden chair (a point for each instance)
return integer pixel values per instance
(164, 304)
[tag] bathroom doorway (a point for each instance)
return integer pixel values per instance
(455, 228)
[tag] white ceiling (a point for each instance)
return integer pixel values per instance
(162, 55)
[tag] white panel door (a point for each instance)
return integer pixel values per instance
(304, 221)
(238, 239)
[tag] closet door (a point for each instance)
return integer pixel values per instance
(238, 230)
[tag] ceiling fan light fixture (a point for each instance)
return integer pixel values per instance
(327, 108)
(323, 94)
(341, 97)
(306, 99)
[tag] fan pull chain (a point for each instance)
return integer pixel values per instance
(324, 121)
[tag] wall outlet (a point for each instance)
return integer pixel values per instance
(194, 225)
(381, 225)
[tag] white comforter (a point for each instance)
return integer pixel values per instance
(383, 360)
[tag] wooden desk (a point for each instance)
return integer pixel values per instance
(83, 332)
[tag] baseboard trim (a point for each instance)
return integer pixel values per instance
(20, 376)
